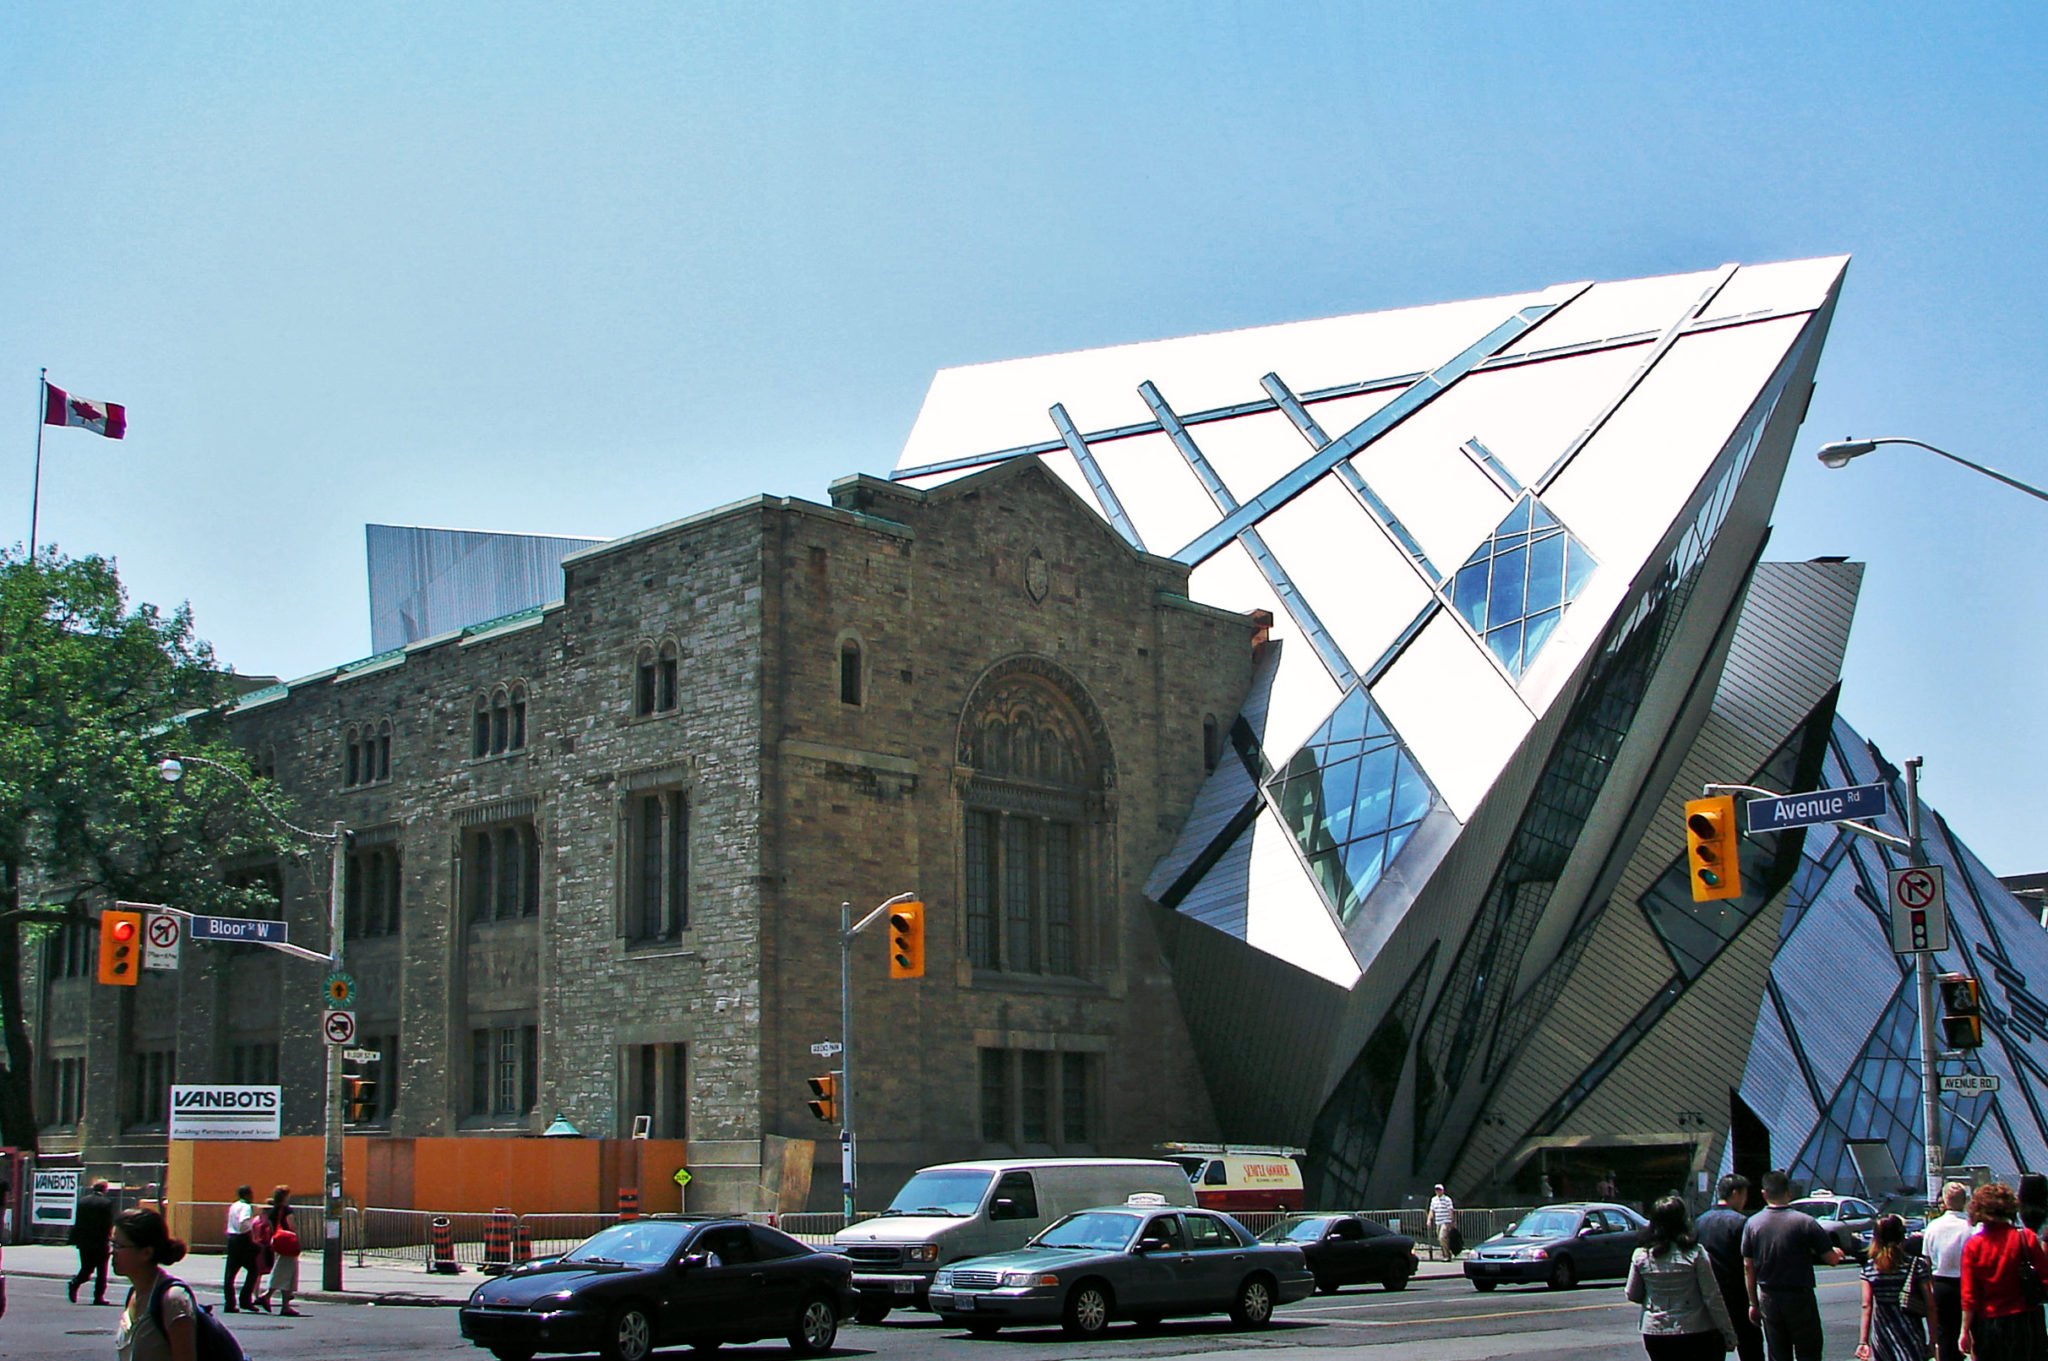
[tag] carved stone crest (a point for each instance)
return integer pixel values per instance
(1037, 577)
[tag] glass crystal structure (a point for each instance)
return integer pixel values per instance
(1514, 587)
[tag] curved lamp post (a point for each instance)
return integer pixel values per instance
(172, 769)
(1841, 452)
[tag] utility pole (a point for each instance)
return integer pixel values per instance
(848, 1172)
(1923, 970)
(330, 1249)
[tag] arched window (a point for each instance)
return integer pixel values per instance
(480, 741)
(665, 679)
(352, 765)
(518, 741)
(655, 680)
(644, 683)
(500, 722)
(384, 750)
(850, 691)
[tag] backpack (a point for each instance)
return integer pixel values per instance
(211, 1340)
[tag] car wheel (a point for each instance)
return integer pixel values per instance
(1087, 1311)
(1483, 1286)
(1253, 1307)
(629, 1336)
(984, 1330)
(1563, 1275)
(1398, 1280)
(1326, 1286)
(816, 1326)
(871, 1312)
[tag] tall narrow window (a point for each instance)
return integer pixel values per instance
(384, 750)
(657, 890)
(644, 678)
(1059, 899)
(1020, 952)
(518, 739)
(657, 1086)
(849, 672)
(501, 871)
(995, 1096)
(1035, 1093)
(981, 936)
(504, 1071)
(1075, 1099)
(480, 741)
(665, 677)
(501, 723)
(352, 774)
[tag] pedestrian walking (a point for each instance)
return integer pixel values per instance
(157, 1318)
(2000, 1322)
(90, 1225)
(1942, 1242)
(1443, 1221)
(1892, 1278)
(1780, 1248)
(283, 1243)
(1719, 1231)
(1672, 1277)
(241, 1244)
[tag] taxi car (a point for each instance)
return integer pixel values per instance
(1142, 1262)
(1347, 1250)
(1558, 1245)
(649, 1283)
(1848, 1220)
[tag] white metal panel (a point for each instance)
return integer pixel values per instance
(1530, 414)
(1160, 492)
(1339, 415)
(1063, 463)
(1287, 917)
(983, 407)
(1620, 493)
(1303, 693)
(1250, 453)
(1358, 583)
(1607, 310)
(1456, 713)
(1784, 286)
(1445, 501)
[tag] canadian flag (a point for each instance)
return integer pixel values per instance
(105, 418)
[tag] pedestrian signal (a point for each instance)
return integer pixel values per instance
(120, 947)
(906, 940)
(824, 1102)
(1962, 1017)
(1713, 849)
(358, 1097)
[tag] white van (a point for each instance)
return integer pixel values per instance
(971, 1209)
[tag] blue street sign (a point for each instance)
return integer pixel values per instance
(1822, 805)
(238, 929)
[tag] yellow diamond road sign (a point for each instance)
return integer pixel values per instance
(682, 1177)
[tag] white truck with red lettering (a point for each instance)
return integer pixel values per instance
(1241, 1177)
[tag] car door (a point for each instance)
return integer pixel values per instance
(1214, 1262)
(1616, 1238)
(1152, 1275)
(785, 1262)
(724, 1290)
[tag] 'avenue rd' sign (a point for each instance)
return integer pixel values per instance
(1822, 805)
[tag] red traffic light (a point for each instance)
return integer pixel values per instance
(122, 931)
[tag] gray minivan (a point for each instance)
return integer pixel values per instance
(970, 1209)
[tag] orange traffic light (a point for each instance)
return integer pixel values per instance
(1713, 846)
(120, 947)
(824, 1102)
(1962, 1012)
(906, 940)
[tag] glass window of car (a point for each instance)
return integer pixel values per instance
(1103, 1230)
(725, 1245)
(648, 1242)
(771, 1245)
(1207, 1231)
(1217, 1175)
(1859, 1210)
(1016, 1188)
(1165, 1228)
(944, 1191)
(1819, 1209)
(1368, 1229)
(1546, 1224)
(1346, 1230)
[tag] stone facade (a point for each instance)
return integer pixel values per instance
(620, 830)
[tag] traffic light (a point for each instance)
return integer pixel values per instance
(1962, 1017)
(120, 947)
(906, 940)
(1713, 848)
(358, 1097)
(824, 1102)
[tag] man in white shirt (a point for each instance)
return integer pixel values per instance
(1443, 1218)
(241, 1253)
(1943, 1243)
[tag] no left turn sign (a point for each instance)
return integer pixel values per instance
(1919, 910)
(339, 1027)
(160, 932)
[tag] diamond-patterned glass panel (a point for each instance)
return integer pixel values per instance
(1514, 587)
(1352, 796)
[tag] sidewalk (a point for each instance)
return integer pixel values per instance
(375, 1283)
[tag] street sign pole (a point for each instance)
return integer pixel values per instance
(1923, 968)
(330, 1248)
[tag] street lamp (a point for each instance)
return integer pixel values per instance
(1843, 451)
(172, 769)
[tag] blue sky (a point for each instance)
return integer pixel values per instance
(517, 267)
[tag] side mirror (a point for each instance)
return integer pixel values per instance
(696, 1259)
(1002, 1209)
(1587, 1231)
(1151, 1245)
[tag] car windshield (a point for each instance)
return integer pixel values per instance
(649, 1242)
(1294, 1231)
(1819, 1209)
(944, 1191)
(1103, 1230)
(1546, 1224)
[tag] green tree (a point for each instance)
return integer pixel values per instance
(93, 694)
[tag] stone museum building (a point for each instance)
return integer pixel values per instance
(1285, 729)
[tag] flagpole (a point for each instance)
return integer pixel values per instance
(35, 496)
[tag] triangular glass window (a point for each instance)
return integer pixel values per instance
(1529, 568)
(1352, 796)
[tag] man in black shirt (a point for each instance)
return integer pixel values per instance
(1719, 1231)
(92, 1228)
(1779, 1249)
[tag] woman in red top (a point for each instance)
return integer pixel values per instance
(1998, 1322)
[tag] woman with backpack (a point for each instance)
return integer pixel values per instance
(283, 1243)
(156, 1321)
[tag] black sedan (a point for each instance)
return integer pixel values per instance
(1346, 1250)
(655, 1282)
(1558, 1245)
(1131, 1261)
